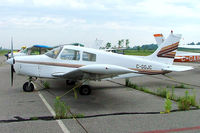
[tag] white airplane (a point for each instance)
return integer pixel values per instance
(33, 50)
(181, 56)
(74, 63)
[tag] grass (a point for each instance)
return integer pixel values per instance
(139, 53)
(61, 109)
(149, 52)
(46, 85)
(161, 92)
(189, 50)
(34, 118)
(180, 86)
(184, 103)
(168, 103)
(3, 52)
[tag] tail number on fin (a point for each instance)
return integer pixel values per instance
(145, 67)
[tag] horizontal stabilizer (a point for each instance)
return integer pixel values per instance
(177, 68)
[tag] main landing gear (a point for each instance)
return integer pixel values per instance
(84, 88)
(28, 86)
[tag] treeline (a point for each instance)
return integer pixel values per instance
(145, 47)
(124, 43)
(194, 43)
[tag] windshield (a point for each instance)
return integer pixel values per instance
(54, 52)
(24, 51)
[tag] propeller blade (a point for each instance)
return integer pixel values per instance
(12, 47)
(12, 62)
(12, 71)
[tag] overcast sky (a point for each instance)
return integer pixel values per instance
(54, 22)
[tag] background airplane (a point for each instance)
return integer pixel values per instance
(33, 50)
(74, 63)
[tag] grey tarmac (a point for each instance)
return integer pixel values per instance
(106, 98)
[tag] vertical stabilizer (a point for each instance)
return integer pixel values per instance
(166, 50)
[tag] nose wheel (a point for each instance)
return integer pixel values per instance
(28, 87)
(85, 90)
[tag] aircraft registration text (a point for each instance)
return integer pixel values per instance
(145, 67)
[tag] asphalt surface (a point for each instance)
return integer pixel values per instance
(107, 98)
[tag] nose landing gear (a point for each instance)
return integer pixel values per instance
(28, 86)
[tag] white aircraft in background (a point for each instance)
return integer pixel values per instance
(74, 63)
(181, 56)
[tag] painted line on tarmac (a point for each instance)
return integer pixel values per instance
(60, 123)
(173, 130)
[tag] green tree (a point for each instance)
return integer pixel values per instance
(120, 43)
(138, 48)
(127, 43)
(108, 45)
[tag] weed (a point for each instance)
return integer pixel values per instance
(127, 81)
(172, 96)
(180, 86)
(134, 86)
(46, 85)
(77, 116)
(193, 99)
(187, 101)
(60, 108)
(168, 103)
(146, 90)
(34, 118)
(162, 92)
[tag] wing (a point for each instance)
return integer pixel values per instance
(94, 72)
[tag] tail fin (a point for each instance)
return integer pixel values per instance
(166, 50)
(159, 38)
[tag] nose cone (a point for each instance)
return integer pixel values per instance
(10, 61)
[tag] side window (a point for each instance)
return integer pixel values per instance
(69, 54)
(89, 56)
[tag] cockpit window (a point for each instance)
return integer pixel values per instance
(54, 52)
(89, 56)
(24, 51)
(69, 54)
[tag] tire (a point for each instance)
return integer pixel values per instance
(27, 88)
(85, 90)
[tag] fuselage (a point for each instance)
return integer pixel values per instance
(69, 58)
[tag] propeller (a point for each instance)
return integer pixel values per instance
(11, 61)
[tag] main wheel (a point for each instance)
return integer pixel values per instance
(85, 90)
(28, 87)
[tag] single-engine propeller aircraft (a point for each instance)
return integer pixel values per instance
(74, 63)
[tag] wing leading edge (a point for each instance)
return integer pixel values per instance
(94, 72)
